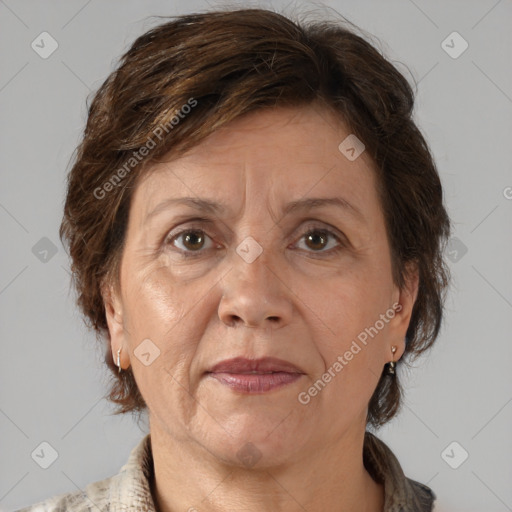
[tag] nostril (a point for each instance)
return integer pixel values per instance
(235, 320)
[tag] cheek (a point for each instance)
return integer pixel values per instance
(353, 342)
(352, 356)
(348, 304)
(159, 312)
(152, 304)
(161, 323)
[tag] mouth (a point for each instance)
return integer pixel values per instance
(255, 375)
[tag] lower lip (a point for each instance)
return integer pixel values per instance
(256, 383)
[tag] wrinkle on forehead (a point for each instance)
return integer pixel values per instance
(262, 161)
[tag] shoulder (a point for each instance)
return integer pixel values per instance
(94, 497)
(400, 493)
(130, 487)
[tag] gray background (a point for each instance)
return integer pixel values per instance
(51, 377)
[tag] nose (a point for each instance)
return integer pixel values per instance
(255, 295)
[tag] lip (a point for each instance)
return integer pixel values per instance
(242, 365)
(257, 382)
(255, 375)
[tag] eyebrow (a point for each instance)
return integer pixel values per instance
(311, 203)
(212, 207)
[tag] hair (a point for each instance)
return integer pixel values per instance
(224, 64)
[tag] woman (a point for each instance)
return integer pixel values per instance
(256, 228)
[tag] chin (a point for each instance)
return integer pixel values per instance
(255, 440)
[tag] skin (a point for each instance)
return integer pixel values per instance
(298, 301)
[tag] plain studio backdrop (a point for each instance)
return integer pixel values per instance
(453, 433)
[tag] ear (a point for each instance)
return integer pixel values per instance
(405, 299)
(115, 321)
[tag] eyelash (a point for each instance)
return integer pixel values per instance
(310, 229)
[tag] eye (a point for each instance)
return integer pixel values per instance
(192, 241)
(318, 239)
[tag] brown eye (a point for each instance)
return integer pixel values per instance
(321, 240)
(193, 240)
(190, 241)
(317, 240)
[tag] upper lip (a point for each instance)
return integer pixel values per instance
(262, 365)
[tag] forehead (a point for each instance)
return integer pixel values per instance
(267, 155)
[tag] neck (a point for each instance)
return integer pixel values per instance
(188, 477)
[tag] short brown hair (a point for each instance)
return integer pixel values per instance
(224, 64)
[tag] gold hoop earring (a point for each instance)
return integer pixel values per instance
(118, 360)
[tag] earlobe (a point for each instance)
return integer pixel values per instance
(114, 316)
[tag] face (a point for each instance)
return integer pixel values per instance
(253, 278)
